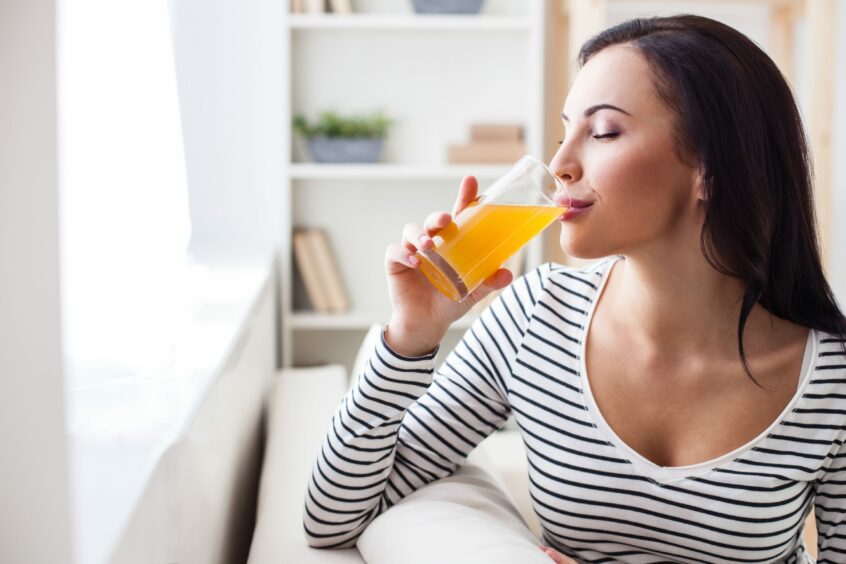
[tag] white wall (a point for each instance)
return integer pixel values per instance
(34, 498)
(838, 240)
(199, 505)
(230, 78)
(751, 18)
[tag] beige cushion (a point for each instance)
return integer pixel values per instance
(504, 455)
(464, 518)
(300, 409)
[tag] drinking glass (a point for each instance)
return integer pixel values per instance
(485, 234)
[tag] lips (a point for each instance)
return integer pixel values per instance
(580, 204)
(564, 200)
(575, 208)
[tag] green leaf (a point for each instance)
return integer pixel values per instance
(331, 124)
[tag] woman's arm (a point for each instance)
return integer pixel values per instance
(830, 508)
(394, 432)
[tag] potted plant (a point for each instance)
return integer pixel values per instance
(344, 139)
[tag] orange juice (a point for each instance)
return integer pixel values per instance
(482, 237)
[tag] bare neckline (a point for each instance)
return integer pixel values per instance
(665, 474)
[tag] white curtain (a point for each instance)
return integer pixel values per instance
(124, 217)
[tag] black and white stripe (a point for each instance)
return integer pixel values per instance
(400, 428)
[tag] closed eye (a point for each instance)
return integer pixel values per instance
(610, 135)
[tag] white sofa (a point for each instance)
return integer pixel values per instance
(300, 405)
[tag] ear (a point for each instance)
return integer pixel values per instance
(699, 184)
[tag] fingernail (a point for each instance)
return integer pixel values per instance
(423, 239)
(413, 260)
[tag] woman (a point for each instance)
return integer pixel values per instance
(682, 400)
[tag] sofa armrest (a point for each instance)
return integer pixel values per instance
(300, 407)
(465, 517)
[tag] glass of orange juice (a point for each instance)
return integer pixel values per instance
(489, 231)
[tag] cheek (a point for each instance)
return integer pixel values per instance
(641, 188)
(639, 195)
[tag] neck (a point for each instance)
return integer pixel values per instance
(678, 303)
(668, 300)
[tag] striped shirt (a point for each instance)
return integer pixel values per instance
(597, 500)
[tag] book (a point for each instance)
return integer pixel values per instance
(330, 272)
(314, 6)
(341, 6)
(496, 132)
(486, 152)
(304, 256)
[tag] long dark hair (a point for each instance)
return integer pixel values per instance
(737, 119)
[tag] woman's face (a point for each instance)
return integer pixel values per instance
(619, 154)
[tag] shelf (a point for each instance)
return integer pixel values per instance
(407, 22)
(439, 74)
(351, 321)
(391, 171)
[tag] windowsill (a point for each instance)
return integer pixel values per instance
(119, 429)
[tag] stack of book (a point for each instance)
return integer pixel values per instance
(489, 144)
(319, 271)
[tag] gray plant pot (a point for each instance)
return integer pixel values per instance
(331, 150)
(447, 6)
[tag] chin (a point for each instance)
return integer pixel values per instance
(584, 249)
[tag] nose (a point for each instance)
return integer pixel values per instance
(565, 164)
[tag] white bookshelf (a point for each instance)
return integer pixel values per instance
(434, 76)
(410, 22)
(394, 171)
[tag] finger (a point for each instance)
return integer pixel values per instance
(467, 193)
(496, 281)
(414, 238)
(556, 556)
(553, 554)
(436, 221)
(399, 259)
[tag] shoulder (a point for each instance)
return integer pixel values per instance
(820, 413)
(560, 281)
(829, 375)
(587, 278)
(829, 363)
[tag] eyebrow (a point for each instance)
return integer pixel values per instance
(593, 109)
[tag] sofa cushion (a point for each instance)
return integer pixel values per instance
(503, 454)
(463, 518)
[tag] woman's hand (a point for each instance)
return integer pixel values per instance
(556, 556)
(421, 314)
